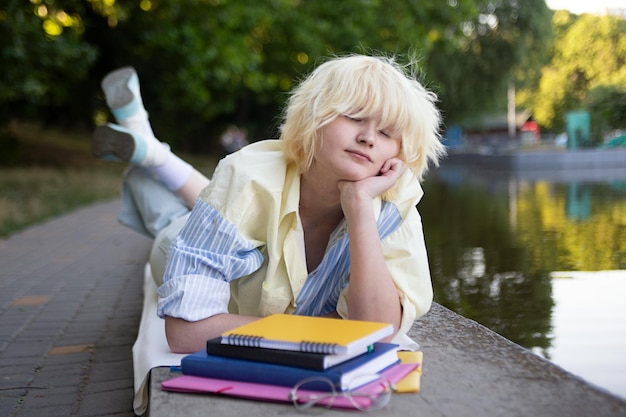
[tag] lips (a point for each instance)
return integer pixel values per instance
(360, 155)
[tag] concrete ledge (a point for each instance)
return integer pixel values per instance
(545, 160)
(468, 371)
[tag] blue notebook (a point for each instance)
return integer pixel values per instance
(382, 356)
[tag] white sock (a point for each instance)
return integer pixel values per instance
(139, 125)
(156, 152)
(173, 173)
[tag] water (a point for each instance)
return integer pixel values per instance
(539, 257)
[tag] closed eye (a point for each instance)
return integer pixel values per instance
(354, 119)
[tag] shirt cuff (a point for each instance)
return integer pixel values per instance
(193, 297)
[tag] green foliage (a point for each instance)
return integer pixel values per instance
(589, 52)
(607, 104)
(42, 54)
(196, 62)
(505, 37)
(234, 61)
(204, 64)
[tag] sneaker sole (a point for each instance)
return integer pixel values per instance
(115, 85)
(108, 142)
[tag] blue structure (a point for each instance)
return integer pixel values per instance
(453, 136)
(578, 128)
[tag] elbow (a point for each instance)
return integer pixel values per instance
(177, 346)
(177, 333)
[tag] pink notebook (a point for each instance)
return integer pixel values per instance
(194, 384)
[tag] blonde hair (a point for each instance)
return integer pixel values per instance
(360, 86)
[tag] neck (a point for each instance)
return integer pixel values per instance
(319, 200)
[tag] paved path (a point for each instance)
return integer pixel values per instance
(70, 304)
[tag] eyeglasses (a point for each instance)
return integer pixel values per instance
(365, 393)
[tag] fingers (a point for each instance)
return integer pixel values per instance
(389, 174)
(393, 165)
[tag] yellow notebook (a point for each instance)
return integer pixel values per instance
(411, 382)
(308, 334)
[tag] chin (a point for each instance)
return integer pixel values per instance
(353, 175)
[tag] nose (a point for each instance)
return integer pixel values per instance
(367, 134)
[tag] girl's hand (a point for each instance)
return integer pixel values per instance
(389, 174)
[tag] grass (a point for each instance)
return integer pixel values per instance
(31, 195)
(54, 173)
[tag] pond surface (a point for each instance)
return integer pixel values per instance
(539, 257)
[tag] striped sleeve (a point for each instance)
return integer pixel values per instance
(208, 254)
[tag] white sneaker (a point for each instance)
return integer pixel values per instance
(123, 96)
(115, 143)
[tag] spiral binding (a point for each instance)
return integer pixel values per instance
(316, 347)
(244, 340)
(258, 342)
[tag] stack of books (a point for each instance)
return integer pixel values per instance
(282, 350)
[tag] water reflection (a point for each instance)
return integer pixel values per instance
(496, 238)
(589, 326)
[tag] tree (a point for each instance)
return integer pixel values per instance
(234, 61)
(207, 63)
(505, 37)
(43, 62)
(607, 104)
(589, 51)
(42, 49)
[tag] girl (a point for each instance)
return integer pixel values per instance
(322, 221)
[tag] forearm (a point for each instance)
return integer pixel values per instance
(187, 337)
(372, 294)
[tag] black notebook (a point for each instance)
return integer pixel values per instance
(295, 358)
